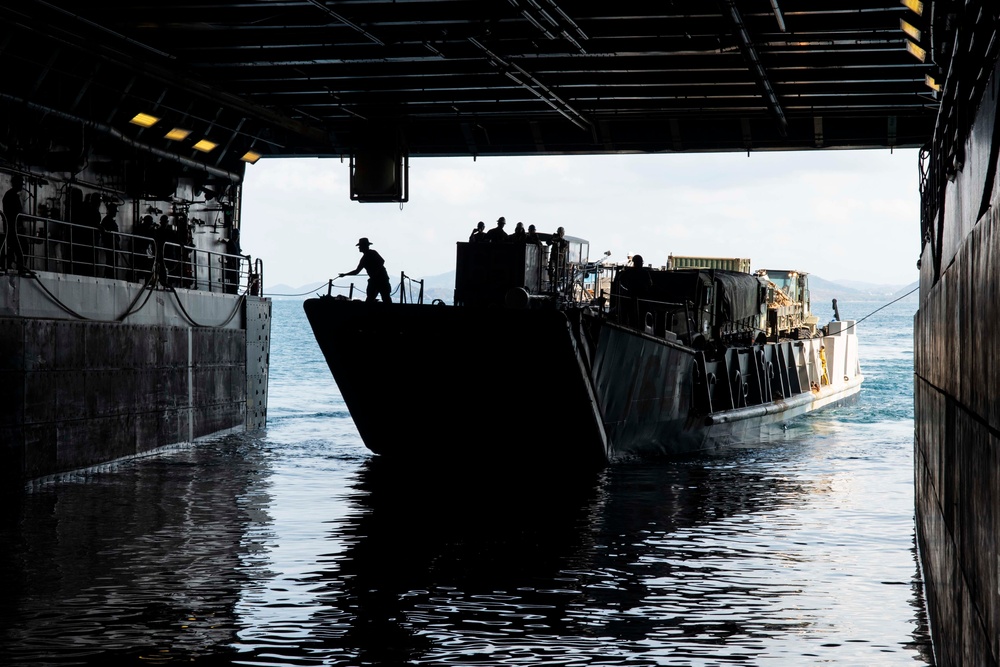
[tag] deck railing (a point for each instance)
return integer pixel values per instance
(406, 289)
(63, 247)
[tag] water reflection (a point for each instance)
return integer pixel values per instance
(431, 564)
(251, 552)
(145, 561)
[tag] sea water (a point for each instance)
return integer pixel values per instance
(296, 546)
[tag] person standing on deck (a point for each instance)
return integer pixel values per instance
(161, 235)
(378, 278)
(519, 235)
(635, 283)
(12, 208)
(497, 234)
(478, 234)
(532, 236)
(558, 247)
(109, 240)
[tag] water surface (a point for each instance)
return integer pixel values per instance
(297, 547)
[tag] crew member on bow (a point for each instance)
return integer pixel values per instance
(378, 278)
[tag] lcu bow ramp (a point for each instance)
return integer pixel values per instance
(422, 380)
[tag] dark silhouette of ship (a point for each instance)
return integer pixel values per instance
(546, 355)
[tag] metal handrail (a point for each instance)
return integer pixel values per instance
(406, 289)
(206, 270)
(64, 247)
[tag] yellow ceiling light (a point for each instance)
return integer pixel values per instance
(917, 52)
(931, 83)
(177, 134)
(915, 5)
(910, 30)
(205, 145)
(144, 119)
(251, 157)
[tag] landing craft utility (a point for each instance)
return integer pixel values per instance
(546, 355)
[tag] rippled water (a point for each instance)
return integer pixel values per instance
(296, 547)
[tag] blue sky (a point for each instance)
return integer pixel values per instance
(841, 215)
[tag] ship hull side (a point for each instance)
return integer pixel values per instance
(89, 390)
(957, 416)
(648, 392)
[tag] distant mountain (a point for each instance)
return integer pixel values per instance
(446, 280)
(854, 290)
(909, 291)
(870, 287)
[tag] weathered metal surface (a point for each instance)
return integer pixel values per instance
(79, 393)
(957, 429)
(257, 351)
(741, 264)
(646, 392)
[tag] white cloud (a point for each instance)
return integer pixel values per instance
(837, 214)
(454, 186)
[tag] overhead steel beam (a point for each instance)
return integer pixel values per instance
(527, 13)
(113, 55)
(516, 73)
(756, 66)
(350, 24)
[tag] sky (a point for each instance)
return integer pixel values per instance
(839, 215)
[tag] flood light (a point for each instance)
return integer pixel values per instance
(205, 145)
(144, 119)
(177, 134)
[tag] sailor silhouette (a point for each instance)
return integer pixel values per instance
(378, 278)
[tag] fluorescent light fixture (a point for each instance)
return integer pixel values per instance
(910, 30)
(205, 145)
(914, 5)
(251, 157)
(931, 83)
(917, 52)
(177, 134)
(144, 119)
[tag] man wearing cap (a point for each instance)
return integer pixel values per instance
(497, 234)
(374, 266)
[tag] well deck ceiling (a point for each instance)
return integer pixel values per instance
(465, 77)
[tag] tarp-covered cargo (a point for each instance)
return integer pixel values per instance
(739, 296)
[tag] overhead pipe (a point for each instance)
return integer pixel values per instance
(777, 15)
